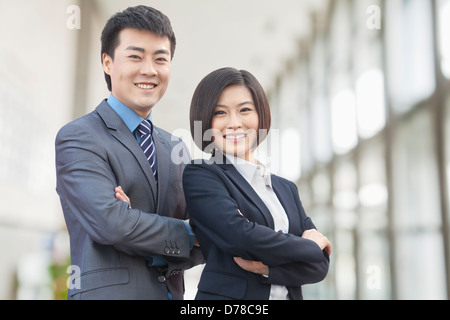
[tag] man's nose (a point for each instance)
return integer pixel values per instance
(148, 68)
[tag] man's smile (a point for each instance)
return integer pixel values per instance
(145, 86)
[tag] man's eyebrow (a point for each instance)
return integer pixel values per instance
(135, 49)
(160, 51)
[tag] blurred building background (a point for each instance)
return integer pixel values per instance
(361, 121)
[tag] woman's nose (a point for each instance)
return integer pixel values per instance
(234, 121)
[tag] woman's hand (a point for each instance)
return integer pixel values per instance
(120, 195)
(320, 239)
(252, 266)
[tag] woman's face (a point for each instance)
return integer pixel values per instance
(235, 123)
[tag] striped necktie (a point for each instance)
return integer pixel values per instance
(147, 145)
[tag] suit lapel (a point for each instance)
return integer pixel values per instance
(284, 194)
(248, 191)
(162, 163)
(119, 130)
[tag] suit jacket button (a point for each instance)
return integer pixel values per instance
(161, 279)
(167, 250)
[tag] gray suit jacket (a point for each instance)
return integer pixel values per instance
(109, 241)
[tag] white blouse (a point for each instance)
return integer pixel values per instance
(259, 178)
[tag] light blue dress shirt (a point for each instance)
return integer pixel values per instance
(128, 116)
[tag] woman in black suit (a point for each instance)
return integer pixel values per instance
(253, 231)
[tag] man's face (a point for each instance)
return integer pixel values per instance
(140, 70)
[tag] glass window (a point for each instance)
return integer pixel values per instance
(341, 36)
(321, 187)
(370, 102)
(447, 158)
(321, 214)
(373, 250)
(319, 107)
(416, 211)
(305, 127)
(290, 150)
(343, 121)
(320, 130)
(345, 265)
(409, 44)
(415, 174)
(289, 117)
(345, 201)
(341, 93)
(369, 77)
(372, 190)
(443, 9)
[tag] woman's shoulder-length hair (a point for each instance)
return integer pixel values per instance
(207, 94)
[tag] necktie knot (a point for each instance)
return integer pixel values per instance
(145, 128)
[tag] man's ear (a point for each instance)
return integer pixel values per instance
(107, 62)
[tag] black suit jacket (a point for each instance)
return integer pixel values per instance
(214, 193)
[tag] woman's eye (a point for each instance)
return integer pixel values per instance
(219, 112)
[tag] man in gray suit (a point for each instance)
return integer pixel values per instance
(122, 251)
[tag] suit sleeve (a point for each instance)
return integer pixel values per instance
(86, 182)
(299, 273)
(215, 216)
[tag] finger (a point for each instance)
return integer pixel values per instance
(238, 259)
(329, 249)
(241, 262)
(242, 215)
(120, 195)
(119, 190)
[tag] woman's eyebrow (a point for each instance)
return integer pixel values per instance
(246, 102)
(239, 104)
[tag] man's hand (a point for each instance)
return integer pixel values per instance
(252, 266)
(320, 239)
(120, 195)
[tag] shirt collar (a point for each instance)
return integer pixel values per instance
(128, 116)
(248, 169)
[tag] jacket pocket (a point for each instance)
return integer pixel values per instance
(101, 278)
(222, 284)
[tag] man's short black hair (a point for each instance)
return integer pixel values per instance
(140, 18)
